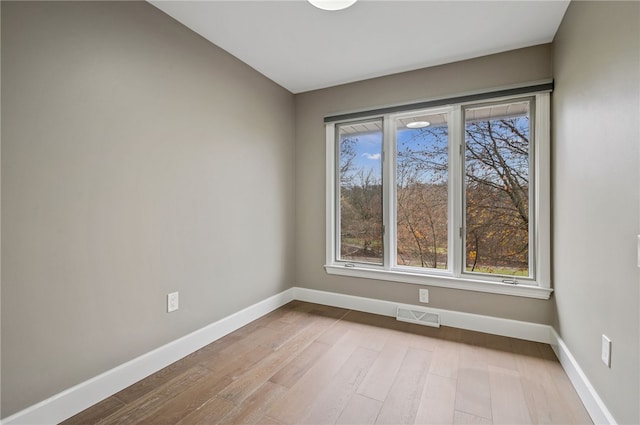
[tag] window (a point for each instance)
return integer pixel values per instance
(496, 191)
(422, 190)
(453, 195)
(360, 192)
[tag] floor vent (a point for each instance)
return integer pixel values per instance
(415, 315)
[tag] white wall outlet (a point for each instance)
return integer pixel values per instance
(172, 302)
(606, 350)
(424, 296)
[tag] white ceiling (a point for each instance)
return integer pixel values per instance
(303, 48)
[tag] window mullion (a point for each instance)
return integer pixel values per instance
(389, 193)
(456, 165)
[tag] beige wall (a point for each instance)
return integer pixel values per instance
(137, 159)
(513, 67)
(596, 137)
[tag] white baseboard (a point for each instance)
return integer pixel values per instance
(475, 322)
(75, 399)
(590, 398)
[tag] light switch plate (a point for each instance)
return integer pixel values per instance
(606, 350)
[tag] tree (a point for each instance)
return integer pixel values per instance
(347, 155)
(361, 229)
(497, 194)
(422, 198)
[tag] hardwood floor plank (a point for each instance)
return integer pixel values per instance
(264, 369)
(174, 410)
(360, 410)
(294, 321)
(301, 396)
(278, 326)
(499, 352)
(332, 400)
(96, 413)
(477, 339)
(144, 406)
(446, 359)
(254, 408)
(508, 404)
(235, 360)
(263, 336)
(473, 392)
(289, 375)
(542, 396)
(224, 371)
(328, 311)
(401, 404)
(332, 335)
(292, 312)
(421, 341)
(365, 323)
(148, 384)
(208, 413)
(269, 421)
(141, 388)
(378, 381)
(463, 418)
(437, 402)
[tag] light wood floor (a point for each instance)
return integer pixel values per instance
(311, 364)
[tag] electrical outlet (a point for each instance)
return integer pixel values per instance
(424, 296)
(172, 302)
(606, 350)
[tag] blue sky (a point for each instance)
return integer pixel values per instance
(369, 148)
(369, 152)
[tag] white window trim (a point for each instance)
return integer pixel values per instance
(452, 278)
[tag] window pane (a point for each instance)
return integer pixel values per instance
(422, 190)
(497, 189)
(360, 179)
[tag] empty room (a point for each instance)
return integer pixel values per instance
(320, 212)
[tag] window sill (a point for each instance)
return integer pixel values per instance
(520, 290)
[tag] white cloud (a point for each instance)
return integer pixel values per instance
(369, 156)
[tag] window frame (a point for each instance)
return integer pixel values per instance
(455, 277)
(532, 183)
(338, 190)
(452, 192)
